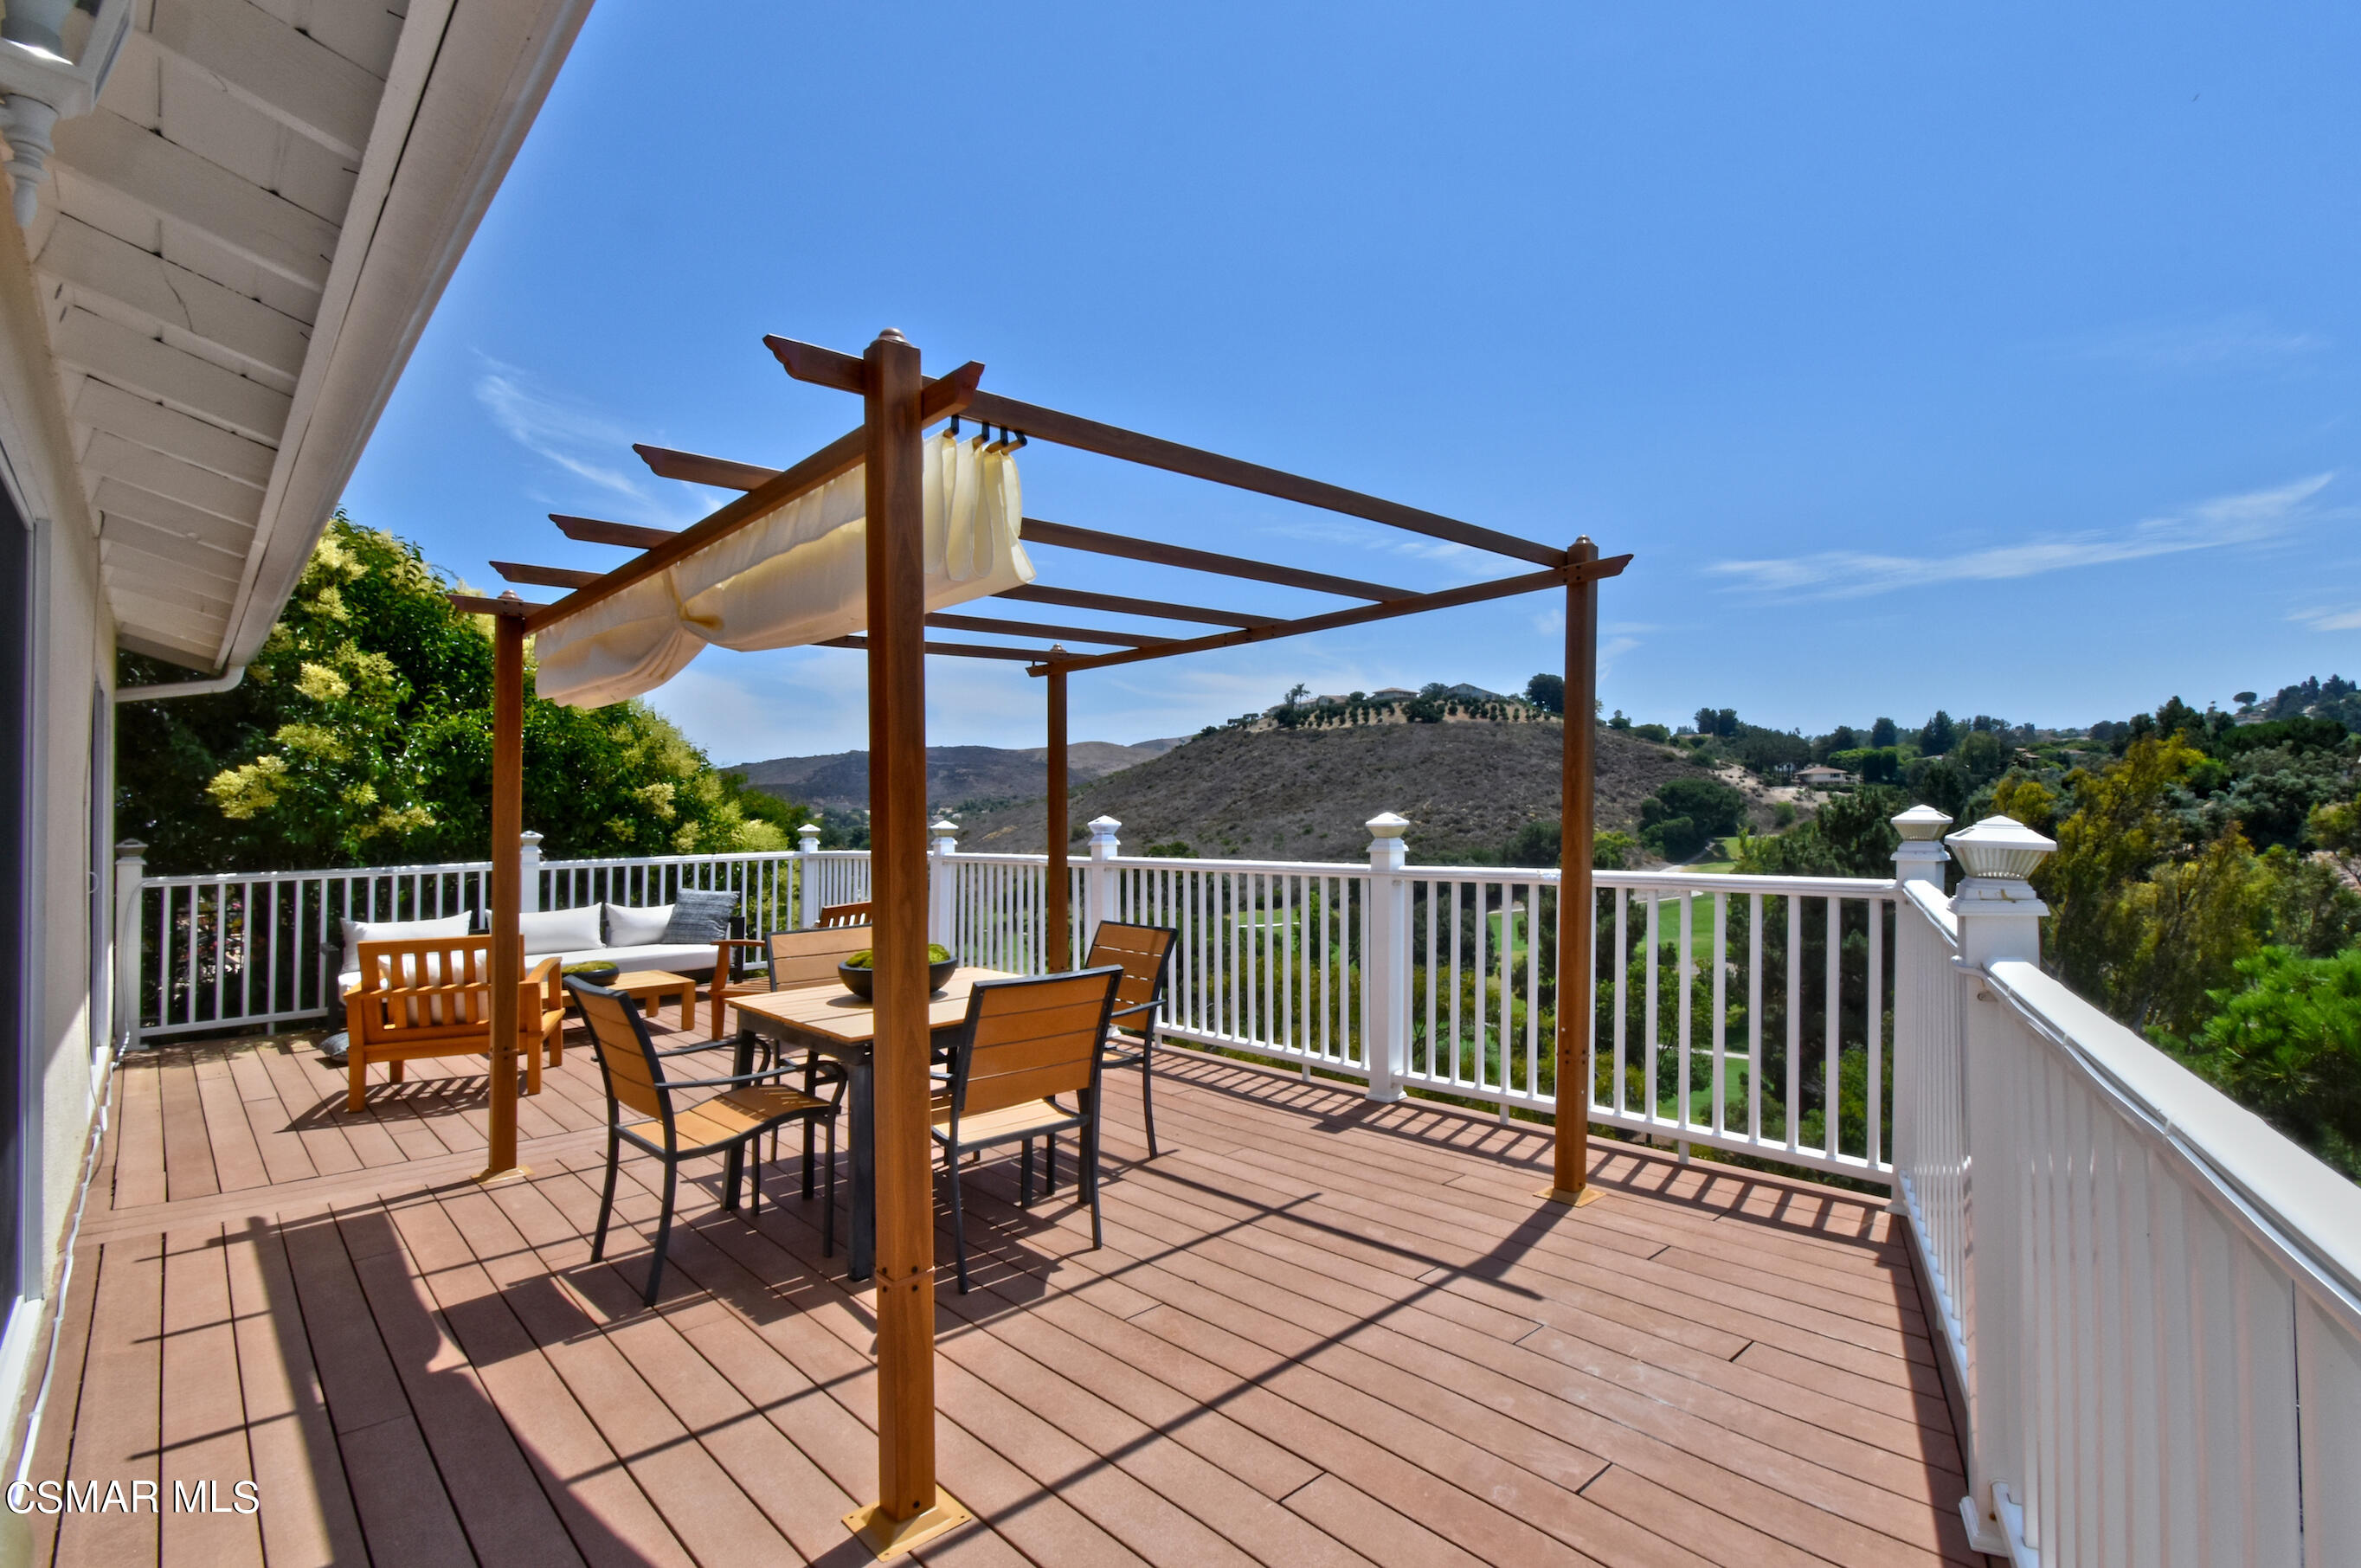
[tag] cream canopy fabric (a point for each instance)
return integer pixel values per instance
(796, 575)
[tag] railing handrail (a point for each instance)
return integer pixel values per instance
(2295, 1208)
(1798, 887)
(218, 878)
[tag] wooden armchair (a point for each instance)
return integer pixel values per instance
(432, 996)
(832, 915)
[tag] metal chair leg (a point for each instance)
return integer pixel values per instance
(828, 1221)
(958, 1219)
(1147, 1089)
(1090, 1179)
(1049, 1170)
(663, 1230)
(1024, 1175)
(607, 1198)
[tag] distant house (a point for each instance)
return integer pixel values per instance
(1391, 694)
(1325, 701)
(1463, 691)
(1820, 776)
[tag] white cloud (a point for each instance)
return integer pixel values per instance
(2226, 342)
(2330, 620)
(1845, 573)
(576, 439)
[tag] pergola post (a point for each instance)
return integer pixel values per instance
(508, 884)
(1057, 938)
(910, 1507)
(1570, 1181)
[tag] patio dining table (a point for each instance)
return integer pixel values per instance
(836, 1024)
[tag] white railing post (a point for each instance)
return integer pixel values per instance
(1918, 858)
(528, 872)
(942, 884)
(1098, 888)
(130, 869)
(2000, 918)
(1385, 966)
(808, 876)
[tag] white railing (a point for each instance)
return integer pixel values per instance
(1713, 1025)
(2151, 1300)
(234, 950)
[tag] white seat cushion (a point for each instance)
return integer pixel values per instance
(680, 957)
(635, 927)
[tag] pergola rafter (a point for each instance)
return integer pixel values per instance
(899, 405)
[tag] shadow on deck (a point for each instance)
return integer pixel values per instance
(1321, 1332)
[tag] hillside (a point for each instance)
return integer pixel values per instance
(1304, 795)
(955, 774)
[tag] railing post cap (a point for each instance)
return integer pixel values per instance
(529, 838)
(1920, 823)
(1387, 825)
(130, 848)
(1104, 825)
(808, 830)
(945, 830)
(2000, 848)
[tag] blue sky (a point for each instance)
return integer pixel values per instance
(2002, 358)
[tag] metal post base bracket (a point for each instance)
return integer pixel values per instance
(500, 1178)
(887, 1536)
(1577, 1198)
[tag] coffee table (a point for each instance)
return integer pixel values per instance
(649, 987)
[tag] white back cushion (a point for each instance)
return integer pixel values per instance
(560, 930)
(630, 927)
(359, 931)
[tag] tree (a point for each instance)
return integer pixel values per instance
(1938, 735)
(1884, 733)
(1620, 721)
(1547, 692)
(361, 736)
(2286, 1040)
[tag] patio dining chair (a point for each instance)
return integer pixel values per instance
(833, 914)
(1024, 1043)
(643, 1109)
(1144, 955)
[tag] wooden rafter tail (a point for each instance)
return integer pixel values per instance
(545, 576)
(807, 362)
(1121, 604)
(1475, 593)
(839, 456)
(1039, 531)
(1108, 635)
(1153, 451)
(696, 468)
(599, 531)
(953, 650)
(478, 604)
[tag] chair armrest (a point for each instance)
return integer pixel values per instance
(547, 975)
(764, 1076)
(749, 942)
(1141, 1007)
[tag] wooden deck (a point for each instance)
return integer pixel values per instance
(1321, 1332)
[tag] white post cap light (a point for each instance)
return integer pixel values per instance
(1386, 850)
(1999, 849)
(1387, 825)
(54, 57)
(946, 834)
(1921, 824)
(809, 834)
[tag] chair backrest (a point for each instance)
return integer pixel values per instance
(627, 1058)
(1144, 955)
(1027, 1039)
(844, 913)
(442, 984)
(809, 958)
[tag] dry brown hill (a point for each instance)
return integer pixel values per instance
(953, 773)
(1304, 795)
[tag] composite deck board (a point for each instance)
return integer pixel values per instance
(1322, 1332)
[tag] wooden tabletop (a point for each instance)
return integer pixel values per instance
(832, 1011)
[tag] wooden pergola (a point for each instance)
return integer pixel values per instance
(899, 406)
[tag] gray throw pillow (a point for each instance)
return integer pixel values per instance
(700, 915)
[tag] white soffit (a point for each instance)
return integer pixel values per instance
(237, 251)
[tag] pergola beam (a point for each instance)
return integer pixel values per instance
(826, 368)
(954, 649)
(1122, 604)
(546, 576)
(1036, 629)
(1475, 593)
(1039, 531)
(598, 531)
